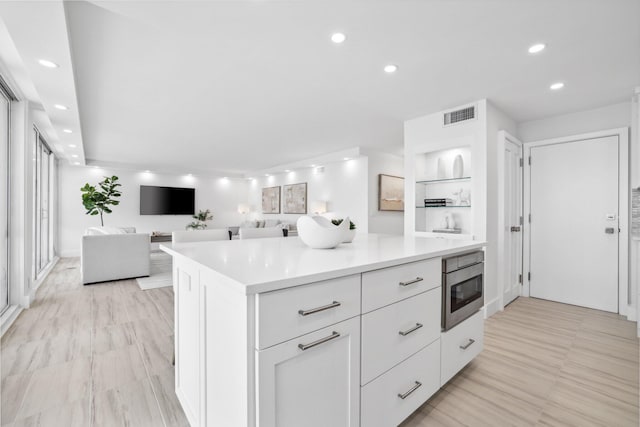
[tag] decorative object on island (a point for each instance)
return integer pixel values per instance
(97, 202)
(390, 193)
(271, 200)
(294, 198)
(458, 166)
(318, 232)
(201, 219)
(351, 233)
(318, 207)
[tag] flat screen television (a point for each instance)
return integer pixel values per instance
(167, 200)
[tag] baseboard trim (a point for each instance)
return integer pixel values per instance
(8, 317)
(491, 308)
(37, 283)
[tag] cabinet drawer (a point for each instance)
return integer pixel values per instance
(289, 313)
(388, 285)
(395, 332)
(381, 402)
(460, 345)
(311, 381)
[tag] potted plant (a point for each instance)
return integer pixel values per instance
(97, 202)
(201, 219)
(351, 233)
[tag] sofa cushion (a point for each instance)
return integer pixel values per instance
(271, 222)
(249, 224)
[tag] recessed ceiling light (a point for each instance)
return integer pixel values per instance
(47, 63)
(75, 156)
(76, 163)
(72, 146)
(147, 171)
(61, 107)
(338, 38)
(67, 131)
(556, 86)
(287, 170)
(345, 158)
(313, 166)
(189, 174)
(537, 48)
(266, 174)
(390, 68)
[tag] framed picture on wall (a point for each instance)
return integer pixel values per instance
(294, 198)
(390, 193)
(271, 200)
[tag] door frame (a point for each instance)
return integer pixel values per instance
(625, 307)
(503, 137)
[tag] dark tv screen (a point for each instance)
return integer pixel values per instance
(166, 200)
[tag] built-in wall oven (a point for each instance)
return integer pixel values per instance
(462, 287)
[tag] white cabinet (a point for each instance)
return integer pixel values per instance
(460, 345)
(312, 380)
(188, 341)
(393, 396)
(395, 332)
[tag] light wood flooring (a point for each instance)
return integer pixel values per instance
(100, 355)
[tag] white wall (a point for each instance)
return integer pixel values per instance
(608, 117)
(343, 185)
(221, 196)
(384, 222)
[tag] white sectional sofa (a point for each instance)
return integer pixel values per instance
(110, 253)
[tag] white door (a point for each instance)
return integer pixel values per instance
(4, 201)
(574, 223)
(313, 380)
(513, 221)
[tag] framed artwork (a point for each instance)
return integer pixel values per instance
(294, 198)
(271, 200)
(390, 193)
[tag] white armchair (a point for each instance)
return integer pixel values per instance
(109, 257)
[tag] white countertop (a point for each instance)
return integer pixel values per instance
(261, 265)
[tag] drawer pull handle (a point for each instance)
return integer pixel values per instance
(467, 345)
(411, 282)
(411, 390)
(415, 328)
(319, 309)
(303, 347)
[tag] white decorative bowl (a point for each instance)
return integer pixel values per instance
(319, 233)
(349, 236)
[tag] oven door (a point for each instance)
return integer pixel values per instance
(463, 294)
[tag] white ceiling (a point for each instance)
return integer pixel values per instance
(235, 86)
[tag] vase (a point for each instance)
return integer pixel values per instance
(458, 167)
(441, 170)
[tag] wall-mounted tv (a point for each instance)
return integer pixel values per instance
(167, 200)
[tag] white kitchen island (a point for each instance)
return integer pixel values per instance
(269, 332)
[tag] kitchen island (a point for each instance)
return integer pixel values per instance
(269, 332)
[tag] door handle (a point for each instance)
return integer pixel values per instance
(515, 229)
(610, 230)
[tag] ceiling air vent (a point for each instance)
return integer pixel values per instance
(458, 116)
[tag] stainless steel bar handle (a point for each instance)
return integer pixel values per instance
(411, 390)
(333, 336)
(411, 282)
(319, 309)
(467, 345)
(408, 331)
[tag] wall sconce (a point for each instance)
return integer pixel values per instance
(319, 207)
(243, 208)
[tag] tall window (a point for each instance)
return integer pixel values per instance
(43, 242)
(5, 134)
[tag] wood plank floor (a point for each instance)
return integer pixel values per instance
(100, 355)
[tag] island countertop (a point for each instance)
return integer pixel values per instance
(261, 265)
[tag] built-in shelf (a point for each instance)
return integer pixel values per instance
(440, 207)
(435, 181)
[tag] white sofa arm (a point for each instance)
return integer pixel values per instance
(114, 257)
